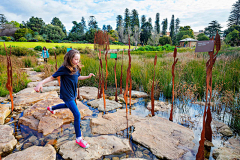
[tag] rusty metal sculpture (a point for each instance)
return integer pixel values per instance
(152, 90)
(9, 74)
(127, 79)
(121, 74)
(207, 131)
(101, 42)
(106, 67)
(102, 81)
(173, 76)
(57, 68)
(115, 69)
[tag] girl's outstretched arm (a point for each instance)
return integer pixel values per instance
(40, 84)
(85, 77)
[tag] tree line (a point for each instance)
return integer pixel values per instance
(142, 30)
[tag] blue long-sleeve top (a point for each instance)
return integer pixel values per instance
(45, 55)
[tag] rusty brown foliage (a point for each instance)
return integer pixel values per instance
(121, 74)
(115, 72)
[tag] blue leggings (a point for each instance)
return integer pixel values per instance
(77, 116)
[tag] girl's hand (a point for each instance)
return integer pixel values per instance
(90, 75)
(38, 87)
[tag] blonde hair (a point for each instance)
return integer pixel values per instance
(68, 61)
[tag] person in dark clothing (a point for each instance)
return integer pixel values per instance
(70, 74)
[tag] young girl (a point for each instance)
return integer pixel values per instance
(70, 74)
(45, 54)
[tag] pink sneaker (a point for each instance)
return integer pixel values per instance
(83, 144)
(48, 108)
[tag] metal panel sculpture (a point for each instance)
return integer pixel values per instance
(173, 76)
(9, 74)
(207, 131)
(152, 90)
(115, 68)
(106, 67)
(101, 42)
(128, 79)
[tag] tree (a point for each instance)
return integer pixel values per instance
(104, 28)
(157, 23)
(186, 30)
(136, 34)
(230, 29)
(134, 20)
(146, 32)
(35, 24)
(120, 33)
(143, 20)
(92, 24)
(77, 31)
(14, 23)
(202, 37)
(3, 20)
(109, 28)
(114, 34)
(234, 18)
(164, 26)
(177, 22)
(52, 32)
(22, 32)
(233, 38)
(165, 40)
(119, 22)
(171, 28)
(127, 22)
(90, 34)
(212, 29)
(83, 23)
(56, 21)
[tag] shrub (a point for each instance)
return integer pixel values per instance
(48, 41)
(33, 40)
(22, 39)
(29, 61)
(38, 48)
(59, 50)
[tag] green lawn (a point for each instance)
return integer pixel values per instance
(50, 45)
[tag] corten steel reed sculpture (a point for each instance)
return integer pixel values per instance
(127, 79)
(57, 68)
(207, 131)
(121, 74)
(106, 67)
(115, 68)
(101, 42)
(102, 81)
(152, 90)
(173, 76)
(9, 74)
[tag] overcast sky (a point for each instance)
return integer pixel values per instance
(195, 13)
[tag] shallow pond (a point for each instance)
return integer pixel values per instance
(186, 114)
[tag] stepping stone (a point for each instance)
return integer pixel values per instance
(88, 92)
(34, 153)
(5, 110)
(99, 146)
(7, 140)
(34, 84)
(110, 104)
(159, 106)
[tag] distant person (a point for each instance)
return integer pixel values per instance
(70, 74)
(45, 54)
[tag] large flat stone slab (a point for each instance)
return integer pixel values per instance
(99, 146)
(222, 128)
(52, 83)
(164, 138)
(231, 150)
(45, 89)
(5, 110)
(34, 153)
(27, 99)
(38, 118)
(112, 123)
(138, 94)
(7, 140)
(159, 106)
(110, 104)
(88, 92)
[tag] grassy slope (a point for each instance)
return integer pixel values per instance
(50, 45)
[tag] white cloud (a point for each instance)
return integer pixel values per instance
(196, 13)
